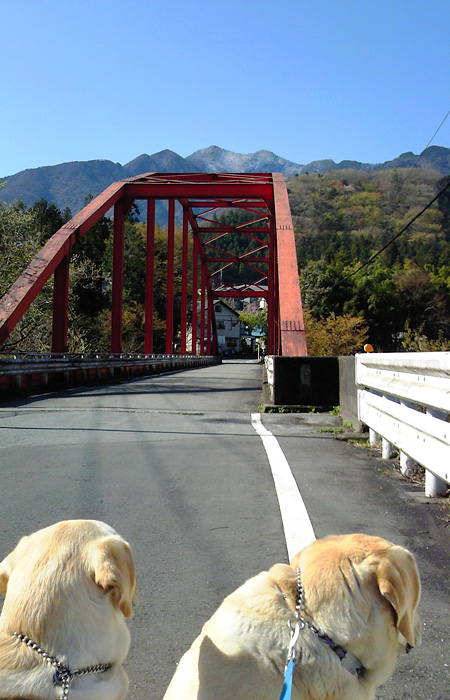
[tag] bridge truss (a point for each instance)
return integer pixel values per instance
(199, 199)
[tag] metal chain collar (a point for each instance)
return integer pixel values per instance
(296, 623)
(63, 675)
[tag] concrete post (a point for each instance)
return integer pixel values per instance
(373, 437)
(407, 465)
(434, 486)
(386, 449)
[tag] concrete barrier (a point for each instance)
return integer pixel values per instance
(25, 374)
(302, 382)
(348, 393)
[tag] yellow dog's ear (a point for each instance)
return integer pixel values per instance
(6, 568)
(8, 564)
(113, 571)
(398, 582)
(4, 576)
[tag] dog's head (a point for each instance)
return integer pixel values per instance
(63, 556)
(356, 572)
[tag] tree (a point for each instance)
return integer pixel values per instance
(415, 340)
(21, 233)
(93, 244)
(254, 319)
(335, 335)
(19, 243)
(48, 219)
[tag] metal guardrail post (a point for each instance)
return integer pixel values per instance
(434, 486)
(373, 437)
(386, 448)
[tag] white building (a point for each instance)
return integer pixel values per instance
(229, 328)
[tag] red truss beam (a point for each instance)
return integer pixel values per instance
(292, 329)
(217, 226)
(211, 206)
(231, 259)
(230, 229)
(24, 291)
(262, 195)
(224, 232)
(234, 258)
(143, 190)
(237, 294)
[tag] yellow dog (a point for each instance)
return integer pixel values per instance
(360, 610)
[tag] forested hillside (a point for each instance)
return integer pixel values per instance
(342, 219)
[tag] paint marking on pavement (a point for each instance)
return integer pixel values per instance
(298, 529)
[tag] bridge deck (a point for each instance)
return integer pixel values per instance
(174, 463)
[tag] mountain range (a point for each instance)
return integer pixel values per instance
(68, 184)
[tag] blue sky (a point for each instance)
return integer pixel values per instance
(341, 79)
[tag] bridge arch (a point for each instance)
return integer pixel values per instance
(271, 257)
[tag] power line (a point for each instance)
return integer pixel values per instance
(432, 138)
(429, 142)
(394, 238)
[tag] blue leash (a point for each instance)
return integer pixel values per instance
(296, 624)
(288, 678)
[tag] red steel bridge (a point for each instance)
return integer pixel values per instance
(199, 199)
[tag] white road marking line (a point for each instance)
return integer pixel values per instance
(298, 529)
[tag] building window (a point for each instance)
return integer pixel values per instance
(218, 309)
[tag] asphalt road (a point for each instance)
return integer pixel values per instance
(174, 464)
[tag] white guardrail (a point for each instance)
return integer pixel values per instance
(404, 398)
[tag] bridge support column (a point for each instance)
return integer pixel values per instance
(149, 277)
(60, 306)
(276, 296)
(184, 282)
(271, 302)
(194, 291)
(117, 278)
(202, 307)
(209, 323)
(170, 276)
